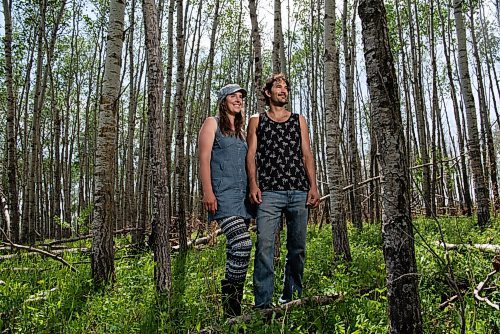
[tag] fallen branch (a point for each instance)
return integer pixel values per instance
(40, 296)
(200, 241)
(483, 247)
(443, 305)
(63, 241)
(480, 288)
(87, 236)
(278, 311)
(45, 253)
(19, 269)
(57, 251)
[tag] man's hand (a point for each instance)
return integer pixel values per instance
(210, 202)
(255, 195)
(313, 198)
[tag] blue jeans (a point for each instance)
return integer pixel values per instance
(293, 204)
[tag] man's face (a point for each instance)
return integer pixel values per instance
(279, 93)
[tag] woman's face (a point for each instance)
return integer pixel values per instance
(234, 103)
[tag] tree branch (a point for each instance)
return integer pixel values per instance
(44, 253)
(278, 311)
(480, 288)
(483, 247)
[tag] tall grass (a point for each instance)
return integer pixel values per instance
(41, 296)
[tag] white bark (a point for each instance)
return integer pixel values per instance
(104, 203)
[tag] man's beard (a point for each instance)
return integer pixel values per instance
(279, 103)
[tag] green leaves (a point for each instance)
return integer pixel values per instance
(132, 306)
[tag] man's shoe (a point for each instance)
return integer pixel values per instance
(282, 300)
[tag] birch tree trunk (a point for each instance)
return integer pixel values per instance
(436, 182)
(341, 246)
(29, 221)
(487, 134)
(466, 203)
(160, 218)
(353, 155)
(180, 163)
(104, 204)
(45, 46)
(129, 201)
(420, 112)
(12, 197)
(257, 56)
(210, 62)
(399, 252)
(279, 60)
(480, 186)
(168, 97)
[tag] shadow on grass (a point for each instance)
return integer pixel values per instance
(166, 313)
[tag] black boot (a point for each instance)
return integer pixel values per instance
(232, 294)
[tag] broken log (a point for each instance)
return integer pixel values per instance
(482, 247)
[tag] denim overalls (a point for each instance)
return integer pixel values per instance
(229, 177)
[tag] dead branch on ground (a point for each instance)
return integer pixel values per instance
(87, 236)
(482, 247)
(44, 253)
(278, 311)
(43, 295)
(200, 241)
(480, 287)
(444, 304)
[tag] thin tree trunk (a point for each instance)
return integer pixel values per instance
(420, 113)
(130, 201)
(13, 197)
(210, 62)
(194, 111)
(104, 204)
(24, 146)
(466, 204)
(168, 115)
(278, 54)
(436, 117)
(180, 167)
(353, 155)
(490, 161)
(399, 251)
(257, 56)
(35, 132)
(341, 246)
(160, 218)
(480, 185)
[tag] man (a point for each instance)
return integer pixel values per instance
(279, 153)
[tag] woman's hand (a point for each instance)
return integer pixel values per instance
(210, 202)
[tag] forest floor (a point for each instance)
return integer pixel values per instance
(40, 295)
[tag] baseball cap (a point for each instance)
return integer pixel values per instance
(228, 90)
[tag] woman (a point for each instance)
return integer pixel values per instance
(222, 152)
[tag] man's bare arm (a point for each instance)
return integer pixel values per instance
(313, 194)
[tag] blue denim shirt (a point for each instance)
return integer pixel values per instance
(229, 177)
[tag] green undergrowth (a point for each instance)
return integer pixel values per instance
(40, 295)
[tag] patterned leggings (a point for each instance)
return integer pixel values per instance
(238, 247)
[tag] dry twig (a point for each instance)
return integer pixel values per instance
(480, 287)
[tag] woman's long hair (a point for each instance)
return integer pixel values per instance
(225, 124)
